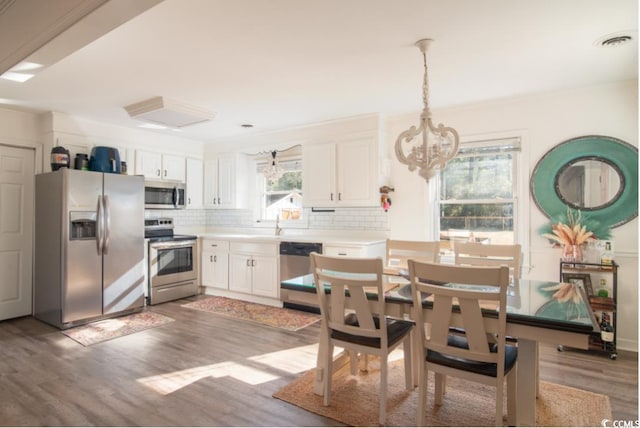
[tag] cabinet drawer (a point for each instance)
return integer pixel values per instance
(209, 245)
(259, 248)
(343, 251)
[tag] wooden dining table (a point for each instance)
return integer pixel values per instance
(537, 312)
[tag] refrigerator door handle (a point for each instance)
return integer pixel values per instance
(99, 231)
(107, 224)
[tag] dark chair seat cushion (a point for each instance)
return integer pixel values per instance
(480, 367)
(396, 330)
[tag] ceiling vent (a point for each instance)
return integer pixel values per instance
(169, 113)
(615, 39)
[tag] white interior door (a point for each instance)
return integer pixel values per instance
(16, 230)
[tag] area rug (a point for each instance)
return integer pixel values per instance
(355, 401)
(108, 329)
(289, 319)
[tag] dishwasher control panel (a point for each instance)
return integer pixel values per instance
(300, 248)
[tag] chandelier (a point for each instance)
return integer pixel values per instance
(439, 143)
(273, 171)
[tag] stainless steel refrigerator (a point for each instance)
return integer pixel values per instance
(89, 246)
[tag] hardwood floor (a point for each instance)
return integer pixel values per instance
(207, 370)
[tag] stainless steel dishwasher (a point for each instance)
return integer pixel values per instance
(295, 261)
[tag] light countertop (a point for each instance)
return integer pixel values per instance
(332, 237)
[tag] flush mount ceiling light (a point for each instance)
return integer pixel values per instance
(21, 72)
(168, 113)
(438, 145)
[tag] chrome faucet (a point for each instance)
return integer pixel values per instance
(278, 228)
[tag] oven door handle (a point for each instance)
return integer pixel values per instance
(175, 244)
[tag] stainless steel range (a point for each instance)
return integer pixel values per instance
(173, 262)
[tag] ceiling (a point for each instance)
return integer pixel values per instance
(284, 63)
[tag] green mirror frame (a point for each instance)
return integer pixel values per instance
(622, 209)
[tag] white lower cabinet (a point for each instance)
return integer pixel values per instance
(253, 268)
(265, 276)
(215, 263)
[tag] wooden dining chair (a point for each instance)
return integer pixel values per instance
(468, 354)
(399, 252)
(475, 254)
(358, 325)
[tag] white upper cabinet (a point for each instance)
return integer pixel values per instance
(149, 164)
(173, 168)
(158, 166)
(225, 182)
(319, 175)
(343, 173)
(194, 182)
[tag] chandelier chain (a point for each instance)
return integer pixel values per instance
(425, 82)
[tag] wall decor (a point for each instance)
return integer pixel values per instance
(595, 174)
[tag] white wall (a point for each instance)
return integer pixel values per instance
(73, 132)
(22, 129)
(543, 121)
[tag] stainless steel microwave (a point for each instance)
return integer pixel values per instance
(164, 195)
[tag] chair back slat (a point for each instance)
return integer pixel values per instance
(399, 252)
(350, 278)
(475, 254)
(487, 285)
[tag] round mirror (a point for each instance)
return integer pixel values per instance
(589, 183)
(592, 173)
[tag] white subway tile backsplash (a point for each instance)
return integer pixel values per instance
(370, 219)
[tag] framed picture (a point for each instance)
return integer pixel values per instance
(583, 279)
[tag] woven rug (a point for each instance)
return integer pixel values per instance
(289, 319)
(112, 328)
(355, 401)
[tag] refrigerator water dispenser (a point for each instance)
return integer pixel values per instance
(82, 225)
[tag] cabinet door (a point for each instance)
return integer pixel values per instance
(240, 273)
(149, 164)
(226, 182)
(210, 195)
(208, 269)
(221, 270)
(173, 168)
(194, 183)
(357, 177)
(215, 270)
(265, 276)
(318, 175)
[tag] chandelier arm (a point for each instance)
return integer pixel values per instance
(445, 133)
(407, 136)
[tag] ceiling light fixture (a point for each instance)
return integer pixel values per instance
(18, 72)
(16, 77)
(273, 171)
(439, 144)
(168, 113)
